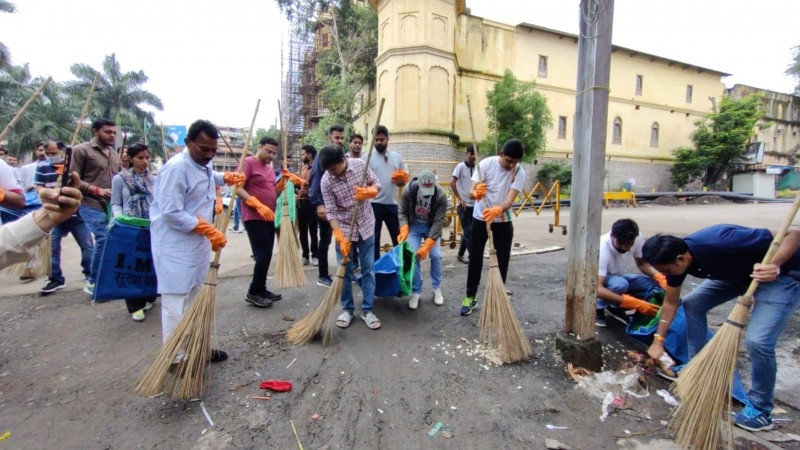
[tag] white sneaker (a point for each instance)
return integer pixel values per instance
(414, 302)
(314, 262)
(438, 299)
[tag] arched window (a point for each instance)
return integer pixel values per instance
(616, 131)
(654, 135)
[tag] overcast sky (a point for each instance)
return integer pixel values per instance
(214, 59)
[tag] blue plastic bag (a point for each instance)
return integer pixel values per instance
(394, 272)
(126, 268)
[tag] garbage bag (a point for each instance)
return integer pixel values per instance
(394, 272)
(126, 267)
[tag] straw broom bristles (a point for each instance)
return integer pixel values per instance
(189, 345)
(704, 386)
(288, 270)
(304, 330)
(499, 325)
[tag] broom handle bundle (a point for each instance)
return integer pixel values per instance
(366, 168)
(480, 177)
(10, 127)
(84, 112)
(284, 141)
(747, 298)
(235, 187)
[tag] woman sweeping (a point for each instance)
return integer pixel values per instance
(131, 196)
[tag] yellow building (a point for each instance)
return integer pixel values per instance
(432, 54)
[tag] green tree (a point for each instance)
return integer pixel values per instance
(5, 54)
(117, 93)
(719, 138)
(516, 110)
(794, 69)
(553, 171)
(261, 133)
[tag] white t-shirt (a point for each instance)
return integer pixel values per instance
(27, 174)
(384, 166)
(499, 182)
(8, 179)
(463, 176)
(613, 262)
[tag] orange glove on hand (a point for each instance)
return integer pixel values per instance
(492, 213)
(293, 178)
(2, 194)
(400, 178)
(403, 234)
(425, 248)
(344, 244)
(661, 279)
(232, 178)
(479, 192)
(214, 235)
(218, 206)
(641, 306)
(366, 193)
(262, 209)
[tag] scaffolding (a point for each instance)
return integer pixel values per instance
(299, 88)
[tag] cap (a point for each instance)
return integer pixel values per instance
(427, 182)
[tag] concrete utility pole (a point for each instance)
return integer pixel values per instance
(578, 344)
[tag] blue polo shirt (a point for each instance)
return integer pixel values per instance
(46, 174)
(728, 253)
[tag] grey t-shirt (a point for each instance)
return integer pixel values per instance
(463, 176)
(384, 165)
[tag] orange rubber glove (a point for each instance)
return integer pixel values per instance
(293, 178)
(262, 209)
(492, 213)
(479, 192)
(400, 178)
(641, 306)
(425, 248)
(218, 206)
(232, 178)
(2, 194)
(661, 279)
(344, 244)
(403, 234)
(366, 193)
(214, 235)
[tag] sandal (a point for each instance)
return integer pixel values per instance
(371, 320)
(344, 319)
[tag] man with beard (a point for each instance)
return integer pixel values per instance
(356, 142)
(182, 236)
(335, 136)
(461, 184)
(392, 173)
(306, 214)
(97, 161)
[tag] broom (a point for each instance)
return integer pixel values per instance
(190, 342)
(289, 272)
(704, 386)
(304, 330)
(498, 323)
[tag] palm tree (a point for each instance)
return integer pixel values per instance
(117, 94)
(5, 55)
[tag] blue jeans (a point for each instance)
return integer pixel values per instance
(634, 284)
(775, 303)
(366, 251)
(416, 235)
(83, 237)
(237, 213)
(97, 221)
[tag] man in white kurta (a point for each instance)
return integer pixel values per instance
(182, 238)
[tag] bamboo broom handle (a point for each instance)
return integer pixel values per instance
(84, 112)
(747, 298)
(164, 142)
(480, 177)
(10, 127)
(229, 149)
(283, 142)
(235, 187)
(366, 167)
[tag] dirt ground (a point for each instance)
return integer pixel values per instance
(67, 367)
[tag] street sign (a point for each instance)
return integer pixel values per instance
(175, 135)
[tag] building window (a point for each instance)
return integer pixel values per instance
(689, 92)
(616, 131)
(639, 84)
(543, 66)
(654, 135)
(562, 127)
(324, 40)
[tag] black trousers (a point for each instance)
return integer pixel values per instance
(503, 237)
(387, 214)
(135, 304)
(307, 221)
(325, 233)
(262, 240)
(465, 215)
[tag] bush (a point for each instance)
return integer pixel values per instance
(552, 171)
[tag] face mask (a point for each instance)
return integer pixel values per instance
(54, 159)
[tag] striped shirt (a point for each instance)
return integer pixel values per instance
(339, 195)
